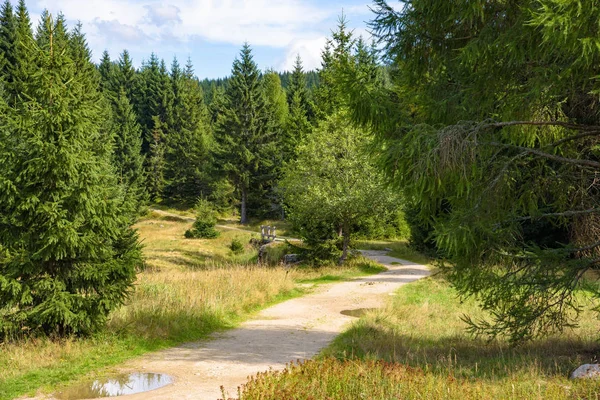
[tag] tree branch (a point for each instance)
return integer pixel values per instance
(586, 163)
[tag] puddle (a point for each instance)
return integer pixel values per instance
(119, 385)
(359, 312)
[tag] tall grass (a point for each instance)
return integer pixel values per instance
(189, 288)
(417, 348)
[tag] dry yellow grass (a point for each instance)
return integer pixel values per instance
(189, 288)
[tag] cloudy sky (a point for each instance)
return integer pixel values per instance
(210, 32)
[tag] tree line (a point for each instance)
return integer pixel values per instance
(85, 148)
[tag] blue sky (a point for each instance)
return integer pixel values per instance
(210, 32)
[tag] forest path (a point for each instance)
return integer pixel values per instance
(293, 330)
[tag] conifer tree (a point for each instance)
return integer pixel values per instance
(298, 86)
(127, 157)
(126, 75)
(23, 53)
(187, 155)
(244, 141)
(8, 41)
(108, 73)
(155, 161)
(67, 254)
(337, 53)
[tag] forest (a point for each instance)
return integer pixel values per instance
(469, 128)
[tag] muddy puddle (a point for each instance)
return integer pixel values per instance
(119, 385)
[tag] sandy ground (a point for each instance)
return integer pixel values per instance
(294, 330)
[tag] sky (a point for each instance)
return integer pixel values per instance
(210, 32)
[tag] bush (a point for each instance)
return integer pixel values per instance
(236, 246)
(206, 219)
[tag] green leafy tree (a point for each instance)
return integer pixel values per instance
(510, 195)
(67, 254)
(244, 142)
(333, 186)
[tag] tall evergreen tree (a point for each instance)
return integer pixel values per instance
(297, 86)
(24, 53)
(8, 42)
(67, 254)
(244, 141)
(127, 157)
(186, 157)
(126, 75)
(155, 160)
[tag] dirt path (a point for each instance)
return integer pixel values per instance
(294, 330)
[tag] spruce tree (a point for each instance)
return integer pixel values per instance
(127, 158)
(187, 156)
(24, 54)
(155, 160)
(8, 41)
(126, 75)
(244, 141)
(67, 254)
(297, 86)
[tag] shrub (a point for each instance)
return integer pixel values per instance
(206, 219)
(236, 246)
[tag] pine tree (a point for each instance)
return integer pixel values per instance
(25, 65)
(126, 75)
(127, 157)
(186, 157)
(155, 161)
(8, 42)
(67, 254)
(266, 198)
(298, 86)
(244, 142)
(109, 85)
(336, 55)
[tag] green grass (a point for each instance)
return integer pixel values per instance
(355, 268)
(417, 348)
(398, 249)
(189, 289)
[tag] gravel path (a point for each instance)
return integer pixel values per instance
(293, 330)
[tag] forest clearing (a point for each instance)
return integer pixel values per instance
(407, 207)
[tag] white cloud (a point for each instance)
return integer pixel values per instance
(309, 51)
(273, 23)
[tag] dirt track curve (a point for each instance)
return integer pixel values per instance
(294, 330)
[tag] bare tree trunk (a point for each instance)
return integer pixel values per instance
(243, 211)
(345, 245)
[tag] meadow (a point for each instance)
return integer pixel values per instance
(418, 348)
(188, 289)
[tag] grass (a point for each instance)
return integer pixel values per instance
(284, 228)
(189, 288)
(417, 348)
(398, 249)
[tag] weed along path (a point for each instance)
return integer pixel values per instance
(293, 330)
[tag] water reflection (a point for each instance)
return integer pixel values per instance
(119, 385)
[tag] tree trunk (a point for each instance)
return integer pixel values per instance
(345, 245)
(243, 211)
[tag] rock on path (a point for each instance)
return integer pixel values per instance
(293, 330)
